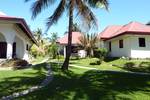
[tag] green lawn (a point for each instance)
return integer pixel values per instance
(18, 80)
(78, 83)
(81, 84)
(114, 64)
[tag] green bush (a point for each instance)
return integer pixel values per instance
(101, 54)
(95, 61)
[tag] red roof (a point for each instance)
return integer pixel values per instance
(75, 38)
(21, 23)
(109, 31)
(131, 28)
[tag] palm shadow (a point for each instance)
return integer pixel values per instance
(142, 67)
(91, 85)
(24, 79)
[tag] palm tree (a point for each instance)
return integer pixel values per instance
(38, 35)
(88, 42)
(76, 28)
(82, 8)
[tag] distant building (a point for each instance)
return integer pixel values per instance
(131, 40)
(76, 50)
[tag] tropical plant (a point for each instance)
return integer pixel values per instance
(82, 8)
(101, 53)
(76, 28)
(38, 50)
(88, 42)
(43, 44)
(53, 48)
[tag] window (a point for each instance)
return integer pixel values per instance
(120, 43)
(142, 42)
(27, 47)
(109, 46)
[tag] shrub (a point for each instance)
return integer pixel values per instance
(15, 63)
(95, 62)
(101, 53)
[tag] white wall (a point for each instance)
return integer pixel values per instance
(140, 52)
(19, 47)
(24, 54)
(131, 46)
(13, 33)
(115, 50)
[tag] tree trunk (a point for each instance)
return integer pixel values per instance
(68, 53)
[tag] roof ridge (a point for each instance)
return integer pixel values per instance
(131, 25)
(123, 27)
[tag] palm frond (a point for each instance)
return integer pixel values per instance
(39, 5)
(86, 14)
(56, 15)
(98, 3)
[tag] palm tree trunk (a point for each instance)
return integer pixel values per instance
(68, 53)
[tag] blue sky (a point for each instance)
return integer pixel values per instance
(120, 12)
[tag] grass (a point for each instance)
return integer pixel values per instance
(77, 83)
(38, 59)
(115, 64)
(18, 80)
(81, 84)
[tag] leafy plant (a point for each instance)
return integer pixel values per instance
(88, 42)
(101, 53)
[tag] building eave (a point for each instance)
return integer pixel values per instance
(21, 22)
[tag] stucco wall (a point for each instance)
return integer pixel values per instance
(24, 54)
(115, 50)
(140, 52)
(131, 47)
(13, 33)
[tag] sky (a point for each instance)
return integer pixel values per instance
(120, 12)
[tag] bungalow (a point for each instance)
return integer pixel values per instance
(15, 38)
(76, 50)
(131, 40)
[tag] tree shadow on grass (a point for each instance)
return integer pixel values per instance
(109, 59)
(142, 67)
(91, 85)
(22, 79)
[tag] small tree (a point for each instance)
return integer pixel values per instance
(88, 42)
(53, 49)
(101, 54)
(38, 50)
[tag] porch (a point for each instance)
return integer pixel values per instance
(11, 46)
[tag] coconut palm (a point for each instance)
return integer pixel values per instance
(88, 42)
(82, 8)
(38, 35)
(76, 28)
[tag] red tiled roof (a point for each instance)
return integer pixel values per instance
(75, 38)
(131, 28)
(109, 31)
(21, 22)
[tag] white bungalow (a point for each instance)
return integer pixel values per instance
(75, 49)
(15, 38)
(131, 40)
